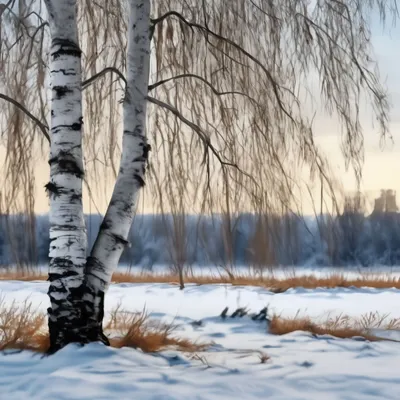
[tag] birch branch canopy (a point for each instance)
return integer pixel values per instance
(239, 71)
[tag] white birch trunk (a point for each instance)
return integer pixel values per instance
(113, 234)
(67, 227)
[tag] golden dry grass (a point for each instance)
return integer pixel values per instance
(342, 326)
(137, 330)
(270, 282)
(24, 328)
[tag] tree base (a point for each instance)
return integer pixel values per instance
(61, 335)
(77, 319)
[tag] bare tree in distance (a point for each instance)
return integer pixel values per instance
(232, 74)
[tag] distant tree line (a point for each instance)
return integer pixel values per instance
(261, 241)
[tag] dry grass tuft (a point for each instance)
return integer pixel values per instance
(21, 327)
(136, 330)
(22, 275)
(277, 285)
(342, 326)
(24, 328)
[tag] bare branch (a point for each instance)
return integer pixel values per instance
(43, 127)
(86, 83)
(215, 91)
(202, 135)
(206, 31)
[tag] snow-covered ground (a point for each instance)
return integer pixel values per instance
(301, 366)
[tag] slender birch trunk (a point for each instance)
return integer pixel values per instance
(68, 240)
(113, 234)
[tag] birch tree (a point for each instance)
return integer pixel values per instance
(220, 87)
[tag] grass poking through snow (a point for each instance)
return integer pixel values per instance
(24, 328)
(341, 326)
(137, 330)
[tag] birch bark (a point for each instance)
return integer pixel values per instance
(113, 234)
(68, 240)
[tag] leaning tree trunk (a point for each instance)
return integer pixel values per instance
(113, 234)
(68, 240)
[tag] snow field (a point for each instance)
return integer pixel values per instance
(300, 366)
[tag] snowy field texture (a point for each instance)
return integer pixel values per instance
(301, 366)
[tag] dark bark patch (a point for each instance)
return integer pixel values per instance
(52, 190)
(76, 198)
(74, 320)
(139, 180)
(66, 163)
(66, 274)
(105, 225)
(61, 91)
(146, 150)
(63, 71)
(120, 240)
(77, 126)
(66, 48)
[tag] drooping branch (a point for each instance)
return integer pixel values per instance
(214, 90)
(206, 31)
(43, 127)
(201, 134)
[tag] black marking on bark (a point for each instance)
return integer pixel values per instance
(67, 48)
(63, 71)
(105, 225)
(66, 274)
(139, 180)
(120, 240)
(52, 190)
(146, 150)
(66, 163)
(63, 227)
(76, 198)
(101, 306)
(76, 126)
(75, 320)
(61, 91)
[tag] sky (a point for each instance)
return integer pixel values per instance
(381, 164)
